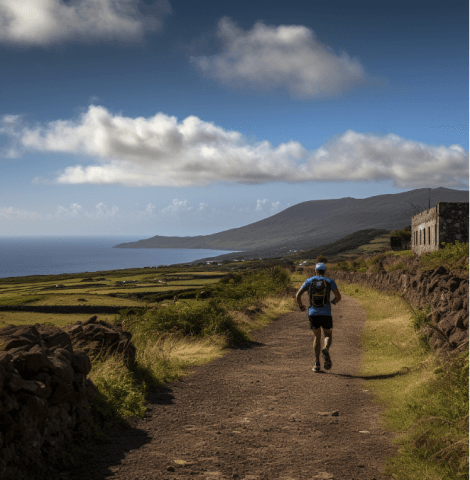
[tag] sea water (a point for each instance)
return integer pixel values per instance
(20, 256)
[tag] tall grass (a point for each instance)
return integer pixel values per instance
(425, 397)
(120, 394)
(197, 320)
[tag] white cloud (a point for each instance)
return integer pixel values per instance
(8, 213)
(162, 151)
(102, 211)
(75, 210)
(267, 207)
(202, 213)
(176, 206)
(44, 22)
(286, 56)
(150, 209)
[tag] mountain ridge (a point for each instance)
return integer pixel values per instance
(313, 222)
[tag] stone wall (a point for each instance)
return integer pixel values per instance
(446, 294)
(446, 222)
(453, 222)
(45, 393)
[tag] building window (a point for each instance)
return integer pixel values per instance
(424, 236)
(435, 235)
(429, 235)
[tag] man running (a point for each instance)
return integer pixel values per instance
(319, 312)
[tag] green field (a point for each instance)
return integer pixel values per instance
(118, 288)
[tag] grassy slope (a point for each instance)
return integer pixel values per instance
(359, 242)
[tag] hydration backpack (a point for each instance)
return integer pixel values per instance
(319, 293)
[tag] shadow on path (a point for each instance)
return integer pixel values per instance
(403, 371)
(120, 441)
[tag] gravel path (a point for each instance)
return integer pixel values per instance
(260, 413)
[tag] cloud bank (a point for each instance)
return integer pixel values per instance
(73, 211)
(45, 22)
(170, 218)
(286, 56)
(162, 151)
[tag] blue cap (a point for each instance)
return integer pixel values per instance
(320, 267)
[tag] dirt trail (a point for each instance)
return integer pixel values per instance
(260, 413)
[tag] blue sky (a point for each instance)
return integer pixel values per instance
(186, 118)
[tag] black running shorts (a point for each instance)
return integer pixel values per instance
(317, 321)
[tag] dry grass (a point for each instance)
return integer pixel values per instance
(182, 351)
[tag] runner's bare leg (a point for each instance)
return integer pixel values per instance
(317, 343)
(328, 333)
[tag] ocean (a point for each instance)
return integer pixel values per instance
(20, 256)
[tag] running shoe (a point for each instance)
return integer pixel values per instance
(326, 359)
(316, 367)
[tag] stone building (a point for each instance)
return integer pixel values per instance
(446, 222)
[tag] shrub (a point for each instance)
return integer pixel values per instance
(403, 233)
(197, 320)
(321, 259)
(251, 286)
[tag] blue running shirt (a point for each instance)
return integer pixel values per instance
(326, 309)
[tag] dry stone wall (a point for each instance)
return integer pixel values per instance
(444, 293)
(45, 392)
(453, 222)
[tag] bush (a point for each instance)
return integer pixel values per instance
(321, 259)
(202, 320)
(239, 290)
(403, 233)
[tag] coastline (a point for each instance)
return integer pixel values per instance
(39, 256)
